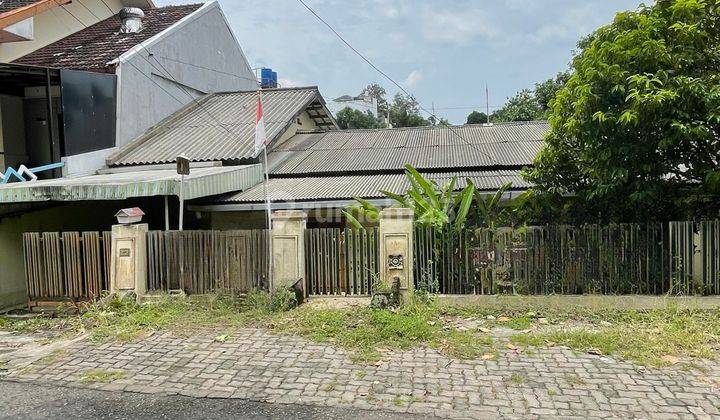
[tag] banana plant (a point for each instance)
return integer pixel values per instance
(490, 210)
(433, 205)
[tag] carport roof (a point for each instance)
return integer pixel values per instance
(202, 182)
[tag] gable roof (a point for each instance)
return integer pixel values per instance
(221, 126)
(95, 46)
(505, 145)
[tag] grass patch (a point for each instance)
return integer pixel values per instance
(464, 345)
(519, 323)
(102, 376)
(55, 356)
(642, 337)
(366, 332)
(516, 379)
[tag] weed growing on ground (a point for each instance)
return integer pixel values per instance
(649, 338)
(102, 376)
(516, 379)
(464, 344)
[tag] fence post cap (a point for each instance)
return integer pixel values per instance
(289, 214)
(397, 213)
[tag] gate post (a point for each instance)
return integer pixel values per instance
(128, 260)
(288, 249)
(396, 248)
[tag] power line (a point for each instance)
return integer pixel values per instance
(359, 54)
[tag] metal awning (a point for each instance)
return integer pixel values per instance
(202, 182)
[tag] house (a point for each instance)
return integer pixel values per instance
(92, 89)
(360, 103)
(175, 55)
(321, 170)
(216, 131)
(28, 25)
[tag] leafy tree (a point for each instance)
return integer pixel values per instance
(377, 92)
(521, 107)
(348, 118)
(405, 112)
(476, 117)
(636, 129)
(546, 91)
(531, 105)
(434, 205)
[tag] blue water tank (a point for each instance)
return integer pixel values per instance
(266, 78)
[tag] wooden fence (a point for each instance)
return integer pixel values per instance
(341, 261)
(208, 261)
(678, 258)
(67, 265)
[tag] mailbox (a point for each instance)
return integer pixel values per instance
(129, 216)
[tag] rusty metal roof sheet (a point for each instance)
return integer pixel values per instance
(221, 126)
(366, 186)
(432, 148)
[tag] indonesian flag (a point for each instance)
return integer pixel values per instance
(260, 138)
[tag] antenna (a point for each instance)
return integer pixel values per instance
(487, 102)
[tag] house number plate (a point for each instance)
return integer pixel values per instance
(395, 262)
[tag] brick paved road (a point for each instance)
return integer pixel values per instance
(261, 366)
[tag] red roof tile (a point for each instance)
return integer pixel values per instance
(93, 47)
(8, 5)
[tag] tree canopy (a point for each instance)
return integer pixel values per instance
(405, 112)
(348, 118)
(476, 117)
(635, 131)
(531, 104)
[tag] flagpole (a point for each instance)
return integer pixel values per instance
(268, 207)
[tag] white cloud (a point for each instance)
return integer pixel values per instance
(457, 26)
(413, 79)
(286, 83)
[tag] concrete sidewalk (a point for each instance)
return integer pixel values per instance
(258, 365)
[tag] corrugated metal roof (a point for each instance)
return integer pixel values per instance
(202, 182)
(221, 127)
(469, 146)
(365, 186)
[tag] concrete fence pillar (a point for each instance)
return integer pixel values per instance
(396, 248)
(288, 248)
(128, 260)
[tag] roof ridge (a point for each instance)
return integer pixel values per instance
(232, 92)
(446, 127)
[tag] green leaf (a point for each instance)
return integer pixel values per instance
(353, 221)
(467, 195)
(424, 184)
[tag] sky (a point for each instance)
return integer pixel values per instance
(444, 52)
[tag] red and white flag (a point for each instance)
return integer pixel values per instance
(260, 138)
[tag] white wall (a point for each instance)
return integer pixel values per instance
(201, 53)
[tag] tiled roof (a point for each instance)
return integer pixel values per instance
(221, 126)
(365, 186)
(429, 148)
(8, 5)
(95, 46)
